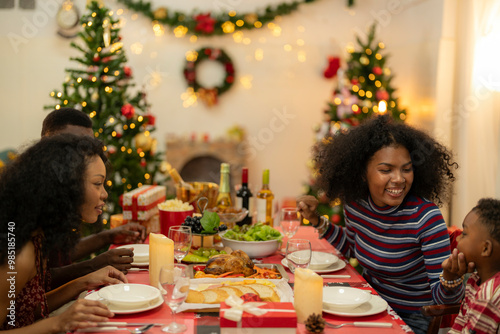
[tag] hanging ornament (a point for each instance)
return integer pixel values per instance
(127, 71)
(128, 110)
(150, 120)
(382, 95)
(377, 70)
(160, 13)
(106, 35)
(332, 68)
(143, 162)
(364, 60)
(96, 58)
(143, 142)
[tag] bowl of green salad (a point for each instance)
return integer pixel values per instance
(257, 240)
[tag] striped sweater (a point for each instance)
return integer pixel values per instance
(480, 310)
(400, 250)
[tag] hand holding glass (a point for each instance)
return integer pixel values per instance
(298, 254)
(174, 286)
(181, 236)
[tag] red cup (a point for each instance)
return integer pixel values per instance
(172, 218)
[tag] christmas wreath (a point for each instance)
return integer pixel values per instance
(209, 95)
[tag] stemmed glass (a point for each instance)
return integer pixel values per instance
(174, 286)
(298, 254)
(290, 221)
(182, 236)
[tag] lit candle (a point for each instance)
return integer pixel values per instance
(161, 253)
(308, 294)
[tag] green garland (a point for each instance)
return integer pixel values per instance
(210, 24)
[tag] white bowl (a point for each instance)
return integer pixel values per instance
(129, 295)
(321, 260)
(254, 249)
(141, 252)
(344, 298)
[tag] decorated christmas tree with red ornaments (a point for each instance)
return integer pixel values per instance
(363, 89)
(100, 86)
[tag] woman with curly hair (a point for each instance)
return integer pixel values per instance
(44, 195)
(389, 175)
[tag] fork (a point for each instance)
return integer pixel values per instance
(361, 324)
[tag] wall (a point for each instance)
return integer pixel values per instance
(287, 96)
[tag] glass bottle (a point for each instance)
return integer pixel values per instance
(243, 197)
(265, 201)
(224, 198)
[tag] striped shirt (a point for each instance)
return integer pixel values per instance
(480, 310)
(400, 250)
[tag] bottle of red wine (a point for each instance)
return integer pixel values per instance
(243, 197)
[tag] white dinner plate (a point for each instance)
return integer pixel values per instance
(374, 306)
(322, 260)
(333, 267)
(141, 253)
(118, 310)
(129, 295)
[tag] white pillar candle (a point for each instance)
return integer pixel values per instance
(308, 294)
(161, 253)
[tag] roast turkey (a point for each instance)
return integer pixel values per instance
(238, 262)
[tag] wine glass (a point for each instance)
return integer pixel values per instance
(289, 221)
(298, 254)
(174, 286)
(182, 236)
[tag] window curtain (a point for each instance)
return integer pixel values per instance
(468, 100)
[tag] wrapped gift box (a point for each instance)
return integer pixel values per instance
(280, 318)
(116, 220)
(142, 203)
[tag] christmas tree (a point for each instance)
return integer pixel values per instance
(363, 89)
(99, 86)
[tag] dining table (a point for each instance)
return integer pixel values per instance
(208, 322)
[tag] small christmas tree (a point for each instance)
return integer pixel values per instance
(363, 89)
(99, 87)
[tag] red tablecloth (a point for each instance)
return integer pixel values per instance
(208, 322)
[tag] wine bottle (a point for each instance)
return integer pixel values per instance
(224, 198)
(243, 197)
(265, 201)
(176, 177)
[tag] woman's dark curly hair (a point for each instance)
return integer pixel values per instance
(43, 190)
(488, 210)
(342, 160)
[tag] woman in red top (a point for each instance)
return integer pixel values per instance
(44, 195)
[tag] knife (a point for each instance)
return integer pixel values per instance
(115, 323)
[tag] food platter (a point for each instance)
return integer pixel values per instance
(277, 267)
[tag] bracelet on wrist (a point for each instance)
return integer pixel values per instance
(450, 284)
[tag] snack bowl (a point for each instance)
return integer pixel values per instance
(129, 295)
(254, 249)
(321, 260)
(230, 218)
(344, 298)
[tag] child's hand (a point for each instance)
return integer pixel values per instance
(456, 266)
